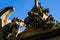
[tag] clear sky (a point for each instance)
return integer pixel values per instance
(22, 7)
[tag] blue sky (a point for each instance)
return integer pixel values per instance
(22, 7)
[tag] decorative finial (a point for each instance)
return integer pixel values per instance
(36, 3)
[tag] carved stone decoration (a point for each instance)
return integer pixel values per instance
(39, 25)
(36, 18)
(4, 14)
(11, 30)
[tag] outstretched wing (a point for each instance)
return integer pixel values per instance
(4, 14)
